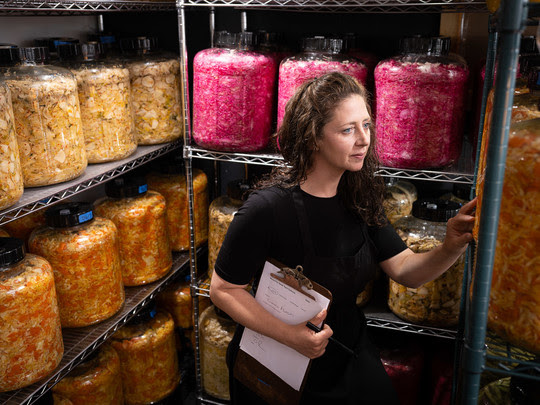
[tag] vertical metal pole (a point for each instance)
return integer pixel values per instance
(243, 21)
(100, 23)
(212, 24)
(513, 14)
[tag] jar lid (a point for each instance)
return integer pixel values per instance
(427, 45)
(268, 39)
(145, 314)
(322, 44)
(9, 55)
(239, 40)
(139, 45)
(237, 189)
(69, 214)
(52, 42)
(435, 210)
(523, 390)
(125, 187)
(34, 54)
(90, 51)
(11, 251)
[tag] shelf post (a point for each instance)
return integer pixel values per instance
(512, 17)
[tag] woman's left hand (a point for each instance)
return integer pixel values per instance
(459, 229)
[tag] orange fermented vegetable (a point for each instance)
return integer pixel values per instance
(22, 227)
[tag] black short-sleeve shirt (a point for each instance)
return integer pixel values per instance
(266, 226)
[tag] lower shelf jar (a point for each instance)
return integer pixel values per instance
(149, 362)
(96, 380)
(216, 331)
(30, 335)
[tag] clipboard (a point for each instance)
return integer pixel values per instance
(249, 370)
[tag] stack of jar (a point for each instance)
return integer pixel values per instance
(420, 98)
(319, 56)
(233, 89)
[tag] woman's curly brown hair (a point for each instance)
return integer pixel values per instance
(306, 113)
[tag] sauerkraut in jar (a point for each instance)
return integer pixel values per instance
(11, 179)
(176, 300)
(233, 91)
(140, 215)
(105, 100)
(420, 98)
(30, 334)
(220, 216)
(83, 252)
(514, 310)
(148, 357)
(47, 120)
(22, 227)
(435, 303)
(216, 330)
(171, 184)
(156, 95)
(319, 56)
(97, 380)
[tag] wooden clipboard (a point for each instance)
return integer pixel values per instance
(254, 375)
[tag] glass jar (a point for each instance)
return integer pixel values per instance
(420, 98)
(83, 252)
(408, 187)
(220, 215)
(140, 216)
(171, 184)
(397, 203)
(30, 334)
(495, 393)
(435, 303)
(176, 300)
(233, 89)
(148, 357)
(217, 330)
(405, 367)
(3, 233)
(515, 289)
(156, 93)
(22, 227)
(104, 97)
(96, 380)
(319, 56)
(47, 119)
(10, 166)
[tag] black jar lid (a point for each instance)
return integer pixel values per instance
(69, 214)
(125, 187)
(89, 51)
(435, 210)
(52, 42)
(139, 45)
(267, 39)
(34, 54)
(11, 251)
(9, 55)
(523, 390)
(237, 189)
(416, 44)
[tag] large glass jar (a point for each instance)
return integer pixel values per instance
(83, 252)
(233, 89)
(216, 331)
(397, 202)
(220, 216)
(156, 93)
(47, 119)
(96, 380)
(514, 307)
(105, 100)
(22, 227)
(405, 366)
(171, 184)
(420, 97)
(319, 56)
(30, 334)
(140, 216)
(435, 303)
(148, 357)
(11, 178)
(176, 300)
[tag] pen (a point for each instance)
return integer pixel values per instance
(331, 339)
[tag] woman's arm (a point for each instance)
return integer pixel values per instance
(414, 269)
(244, 309)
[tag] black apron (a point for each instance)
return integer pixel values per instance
(336, 376)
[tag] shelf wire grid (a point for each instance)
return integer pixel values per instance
(503, 358)
(80, 342)
(59, 7)
(34, 199)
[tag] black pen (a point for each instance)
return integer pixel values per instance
(331, 339)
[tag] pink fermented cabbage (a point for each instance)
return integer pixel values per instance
(232, 99)
(420, 108)
(293, 72)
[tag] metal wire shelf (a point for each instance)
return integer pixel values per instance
(60, 7)
(80, 342)
(35, 199)
(503, 358)
(337, 6)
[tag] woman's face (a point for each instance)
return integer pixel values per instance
(345, 138)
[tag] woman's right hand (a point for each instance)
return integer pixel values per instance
(307, 342)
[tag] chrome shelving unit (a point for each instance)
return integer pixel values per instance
(59, 7)
(80, 342)
(34, 199)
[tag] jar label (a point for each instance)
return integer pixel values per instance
(87, 216)
(143, 188)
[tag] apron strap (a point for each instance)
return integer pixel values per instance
(303, 221)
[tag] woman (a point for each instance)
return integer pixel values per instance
(324, 211)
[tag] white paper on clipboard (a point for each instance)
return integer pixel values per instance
(292, 307)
